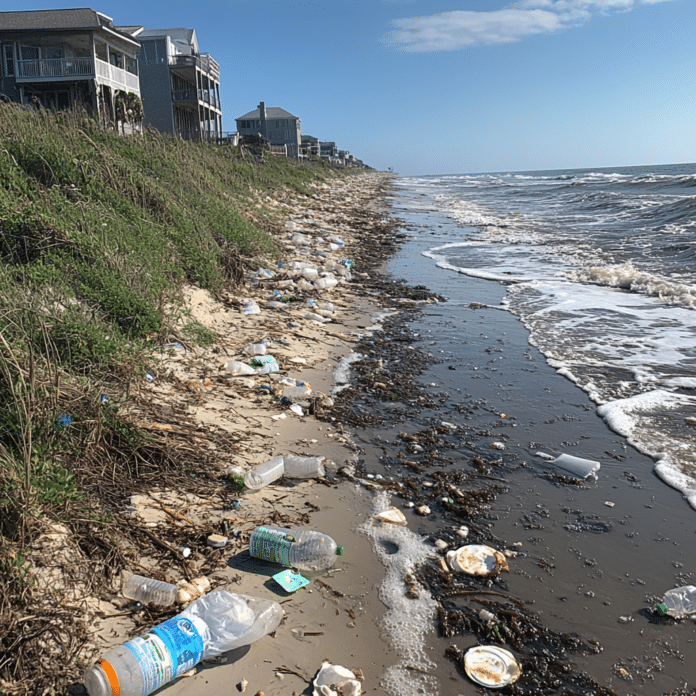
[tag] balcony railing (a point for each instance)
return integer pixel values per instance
(117, 76)
(55, 67)
(76, 68)
(205, 63)
(192, 95)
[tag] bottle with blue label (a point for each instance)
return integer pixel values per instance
(209, 626)
(304, 549)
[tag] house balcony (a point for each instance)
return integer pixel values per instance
(195, 96)
(204, 63)
(71, 69)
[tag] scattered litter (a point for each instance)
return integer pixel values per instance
(334, 680)
(476, 559)
(217, 541)
(423, 510)
(678, 602)
(491, 666)
(582, 468)
(392, 516)
(290, 580)
(609, 504)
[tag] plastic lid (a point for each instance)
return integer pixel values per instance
(339, 550)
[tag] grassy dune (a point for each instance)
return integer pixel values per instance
(98, 235)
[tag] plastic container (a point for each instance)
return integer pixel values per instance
(251, 308)
(255, 349)
(325, 283)
(297, 392)
(305, 549)
(679, 602)
(304, 467)
(264, 474)
(208, 627)
(239, 368)
(146, 590)
(310, 273)
(313, 316)
(582, 468)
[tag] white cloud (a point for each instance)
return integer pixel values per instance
(449, 31)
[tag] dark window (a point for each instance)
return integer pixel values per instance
(8, 51)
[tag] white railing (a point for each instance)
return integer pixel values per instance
(117, 76)
(47, 68)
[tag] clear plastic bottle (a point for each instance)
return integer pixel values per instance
(263, 474)
(146, 590)
(679, 602)
(239, 368)
(304, 467)
(325, 283)
(304, 549)
(208, 627)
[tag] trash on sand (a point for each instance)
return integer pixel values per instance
(582, 468)
(678, 602)
(147, 590)
(477, 559)
(217, 541)
(334, 680)
(239, 368)
(491, 666)
(423, 510)
(290, 580)
(188, 591)
(392, 516)
(210, 626)
(297, 409)
(251, 308)
(265, 473)
(304, 549)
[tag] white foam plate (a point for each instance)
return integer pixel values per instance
(491, 666)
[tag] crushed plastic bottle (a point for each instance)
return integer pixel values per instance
(239, 368)
(264, 474)
(679, 602)
(306, 549)
(210, 626)
(146, 590)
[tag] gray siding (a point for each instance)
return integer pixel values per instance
(155, 84)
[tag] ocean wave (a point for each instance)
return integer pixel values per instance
(627, 277)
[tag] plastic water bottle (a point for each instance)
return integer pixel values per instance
(304, 467)
(255, 349)
(325, 283)
(263, 474)
(306, 549)
(679, 602)
(208, 627)
(146, 590)
(239, 368)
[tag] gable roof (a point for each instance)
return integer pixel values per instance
(271, 113)
(58, 20)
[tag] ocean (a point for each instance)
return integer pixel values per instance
(564, 325)
(600, 266)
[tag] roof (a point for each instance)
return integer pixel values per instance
(271, 112)
(73, 19)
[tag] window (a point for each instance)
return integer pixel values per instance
(8, 52)
(29, 52)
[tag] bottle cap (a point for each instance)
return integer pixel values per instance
(339, 550)
(661, 609)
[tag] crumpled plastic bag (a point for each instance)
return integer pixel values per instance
(229, 621)
(334, 680)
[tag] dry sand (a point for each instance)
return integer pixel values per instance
(336, 618)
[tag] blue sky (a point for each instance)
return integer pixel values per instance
(455, 86)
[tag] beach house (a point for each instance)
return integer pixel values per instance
(180, 85)
(277, 126)
(64, 58)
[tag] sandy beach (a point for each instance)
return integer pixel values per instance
(336, 617)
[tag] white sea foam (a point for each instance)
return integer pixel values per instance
(407, 621)
(627, 277)
(641, 420)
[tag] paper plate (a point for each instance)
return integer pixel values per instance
(477, 559)
(491, 666)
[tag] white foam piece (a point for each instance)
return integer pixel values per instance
(407, 622)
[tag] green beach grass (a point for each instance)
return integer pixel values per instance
(99, 233)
